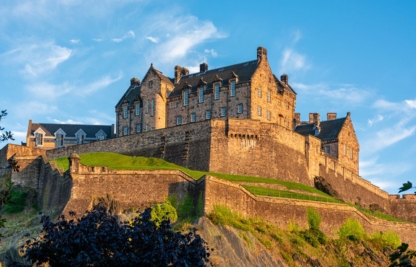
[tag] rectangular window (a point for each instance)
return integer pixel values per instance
(148, 106)
(259, 91)
(125, 130)
(147, 127)
(327, 150)
(223, 112)
(185, 98)
(125, 112)
(208, 114)
(153, 108)
(201, 95)
(240, 108)
(150, 84)
(269, 115)
(287, 105)
(139, 127)
(269, 96)
(39, 139)
(345, 149)
(217, 92)
(232, 88)
(193, 117)
(259, 110)
(350, 152)
(59, 140)
(137, 109)
(179, 120)
(100, 137)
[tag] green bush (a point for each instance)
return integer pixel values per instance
(310, 238)
(16, 202)
(164, 211)
(352, 230)
(314, 219)
(388, 239)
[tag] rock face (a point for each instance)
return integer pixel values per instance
(324, 186)
(232, 250)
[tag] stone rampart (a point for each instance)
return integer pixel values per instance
(281, 211)
(137, 189)
(403, 208)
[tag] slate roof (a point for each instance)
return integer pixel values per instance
(132, 94)
(71, 129)
(329, 129)
(244, 71)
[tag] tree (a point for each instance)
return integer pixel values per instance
(97, 239)
(6, 135)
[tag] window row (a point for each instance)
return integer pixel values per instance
(150, 108)
(201, 93)
(208, 114)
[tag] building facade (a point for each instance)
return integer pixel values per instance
(247, 90)
(53, 135)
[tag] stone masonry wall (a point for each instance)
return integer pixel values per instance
(281, 211)
(403, 208)
(251, 147)
(351, 187)
(186, 145)
(131, 189)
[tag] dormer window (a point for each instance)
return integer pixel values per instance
(39, 139)
(80, 135)
(59, 138)
(232, 88)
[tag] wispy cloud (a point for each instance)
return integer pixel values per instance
(98, 85)
(152, 39)
(98, 39)
(387, 137)
(38, 58)
(181, 34)
(49, 91)
(347, 93)
(376, 119)
(69, 121)
(292, 61)
(296, 36)
(212, 52)
(75, 41)
(128, 35)
(25, 109)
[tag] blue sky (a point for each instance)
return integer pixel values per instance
(70, 62)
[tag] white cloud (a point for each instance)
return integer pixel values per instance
(75, 41)
(411, 103)
(129, 34)
(347, 93)
(296, 36)
(152, 39)
(69, 121)
(38, 58)
(98, 39)
(377, 119)
(182, 34)
(212, 52)
(293, 61)
(387, 137)
(98, 85)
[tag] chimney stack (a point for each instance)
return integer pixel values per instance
(261, 54)
(331, 116)
(284, 78)
(134, 81)
(297, 119)
(315, 119)
(179, 71)
(203, 67)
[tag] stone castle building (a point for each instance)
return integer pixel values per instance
(247, 90)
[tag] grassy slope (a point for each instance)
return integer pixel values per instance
(122, 162)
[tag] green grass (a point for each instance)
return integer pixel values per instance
(257, 190)
(377, 214)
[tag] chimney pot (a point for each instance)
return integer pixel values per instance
(134, 81)
(315, 119)
(203, 67)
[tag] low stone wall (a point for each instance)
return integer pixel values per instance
(130, 188)
(405, 207)
(281, 211)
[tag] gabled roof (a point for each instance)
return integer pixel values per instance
(329, 129)
(71, 129)
(163, 77)
(244, 71)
